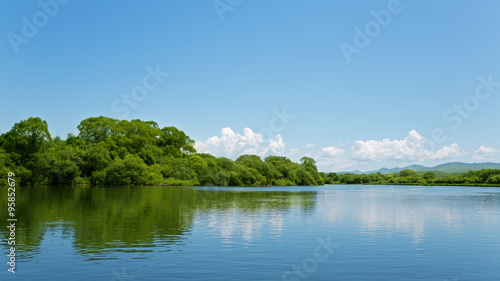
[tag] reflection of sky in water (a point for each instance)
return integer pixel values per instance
(370, 210)
(235, 224)
(410, 210)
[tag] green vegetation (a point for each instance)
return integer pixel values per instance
(489, 177)
(113, 152)
(107, 151)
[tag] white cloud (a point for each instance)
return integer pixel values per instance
(310, 145)
(334, 164)
(484, 153)
(332, 151)
(293, 151)
(276, 146)
(447, 151)
(342, 144)
(331, 158)
(232, 145)
(412, 148)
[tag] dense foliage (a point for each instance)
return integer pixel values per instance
(107, 151)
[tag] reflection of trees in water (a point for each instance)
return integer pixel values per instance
(102, 220)
(255, 200)
(246, 215)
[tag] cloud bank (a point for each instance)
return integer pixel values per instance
(331, 158)
(231, 145)
(485, 153)
(410, 148)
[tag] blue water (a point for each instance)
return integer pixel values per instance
(333, 232)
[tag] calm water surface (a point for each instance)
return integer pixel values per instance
(280, 233)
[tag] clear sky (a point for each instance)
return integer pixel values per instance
(354, 84)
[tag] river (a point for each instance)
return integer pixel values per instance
(332, 232)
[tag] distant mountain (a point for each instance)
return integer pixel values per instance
(449, 168)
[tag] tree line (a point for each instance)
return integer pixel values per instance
(108, 151)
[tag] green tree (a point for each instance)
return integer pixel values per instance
(95, 157)
(429, 176)
(406, 173)
(309, 163)
(493, 179)
(129, 171)
(175, 142)
(97, 129)
(266, 169)
(26, 138)
(151, 154)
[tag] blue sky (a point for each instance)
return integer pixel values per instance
(407, 95)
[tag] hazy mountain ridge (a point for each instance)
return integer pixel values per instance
(449, 168)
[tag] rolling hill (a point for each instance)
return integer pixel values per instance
(448, 168)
